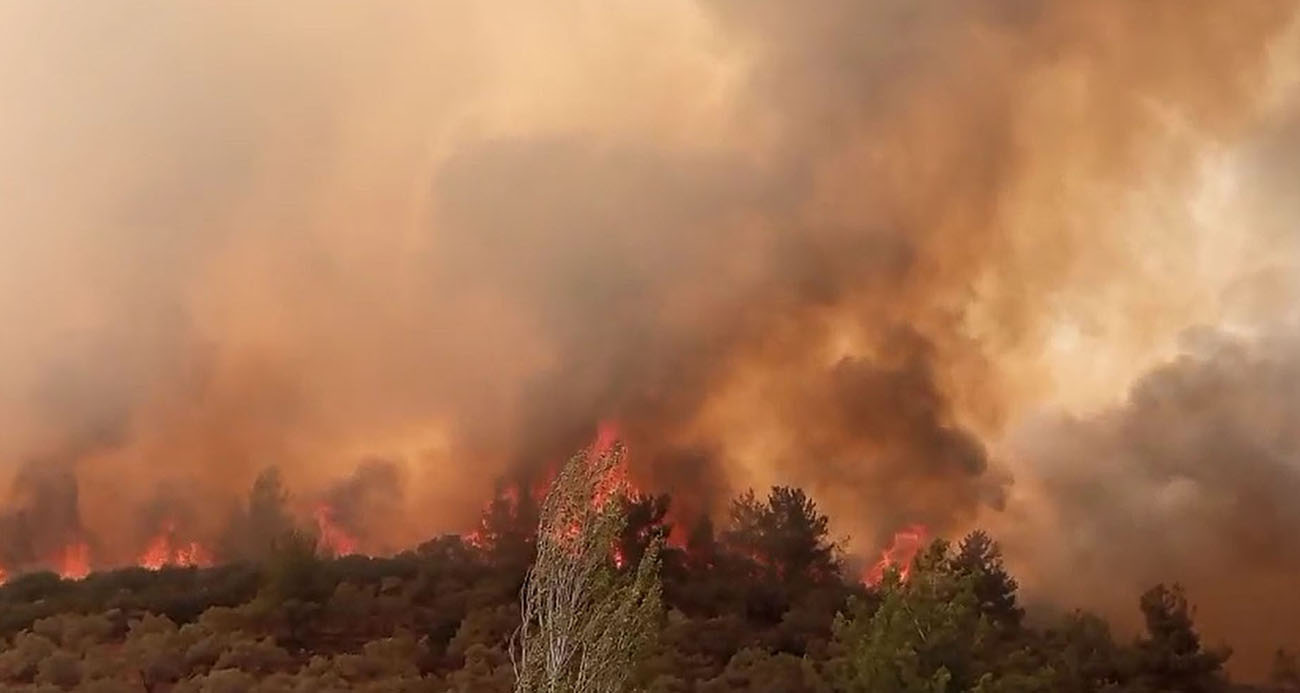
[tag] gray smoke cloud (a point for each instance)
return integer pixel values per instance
(1192, 479)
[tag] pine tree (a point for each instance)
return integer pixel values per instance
(1171, 658)
(981, 558)
(784, 533)
(921, 637)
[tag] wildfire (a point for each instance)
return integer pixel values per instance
(611, 485)
(615, 482)
(164, 550)
(333, 538)
(606, 436)
(73, 561)
(900, 553)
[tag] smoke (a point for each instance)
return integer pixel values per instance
(41, 517)
(367, 506)
(1192, 478)
(843, 246)
(1191, 475)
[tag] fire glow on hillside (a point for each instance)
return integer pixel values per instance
(168, 549)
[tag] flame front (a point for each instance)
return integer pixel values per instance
(901, 552)
(73, 561)
(333, 538)
(164, 550)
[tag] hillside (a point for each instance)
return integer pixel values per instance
(750, 607)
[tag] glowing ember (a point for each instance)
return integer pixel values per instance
(73, 561)
(164, 550)
(333, 538)
(900, 554)
(3, 575)
(619, 559)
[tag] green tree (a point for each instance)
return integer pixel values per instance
(61, 668)
(265, 517)
(486, 670)
(920, 637)
(754, 670)
(293, 570)
(785, 533)
(1083, 655)
(584, 623)
(1170, 658)
(701, 545)
(980, 557)
(932, 634)
(506, 528)
(293, 585)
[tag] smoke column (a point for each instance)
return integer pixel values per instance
(928, 260)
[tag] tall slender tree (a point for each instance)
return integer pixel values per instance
(584, 623)
(1171, 658)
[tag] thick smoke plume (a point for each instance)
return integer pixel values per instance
(1193, 478)
(843, 245)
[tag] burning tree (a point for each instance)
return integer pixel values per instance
(926, 634)
(584, 621)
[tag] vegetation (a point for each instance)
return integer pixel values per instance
(584, 626)
(762, 603)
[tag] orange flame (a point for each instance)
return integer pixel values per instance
(900, 554)
(163, 550)
(333, 538)
(615, 482)
(609, 486)
(73, 561)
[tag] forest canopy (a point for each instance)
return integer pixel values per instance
(763, 602)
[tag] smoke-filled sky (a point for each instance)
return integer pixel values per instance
(1028, 264)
